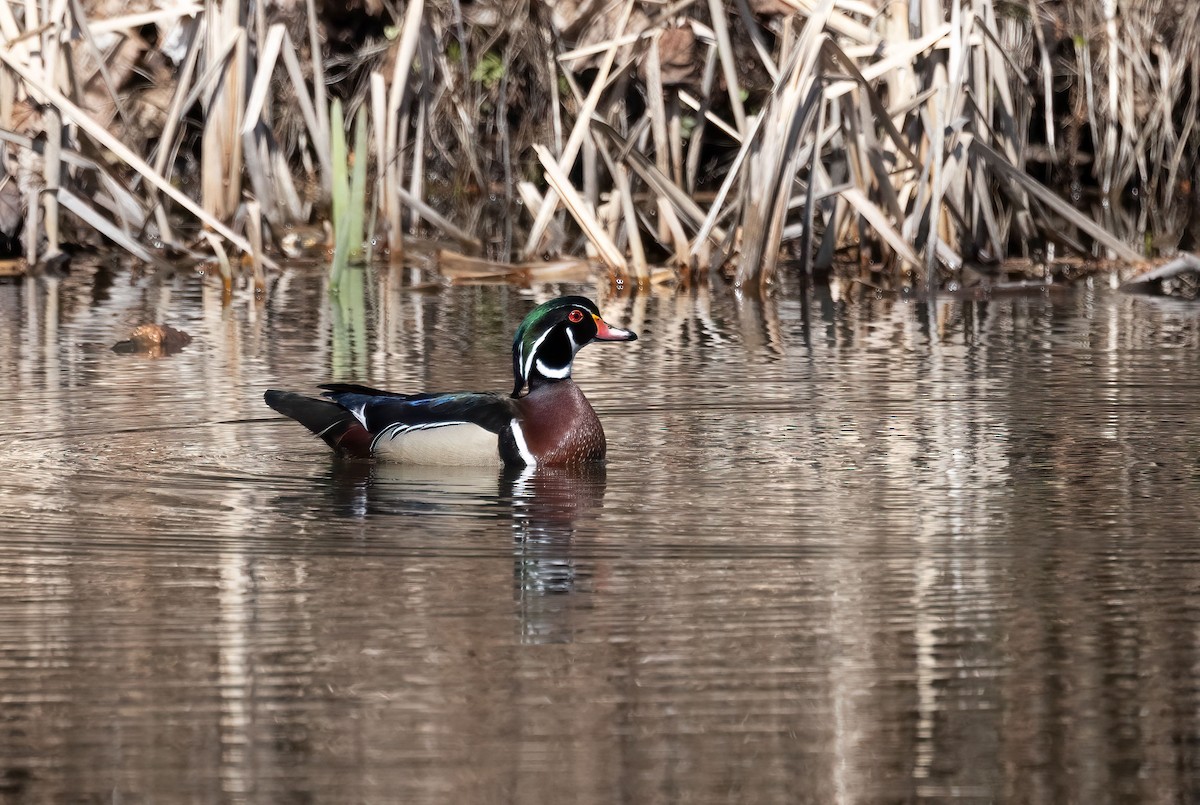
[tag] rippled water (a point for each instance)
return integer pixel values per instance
(849, 551)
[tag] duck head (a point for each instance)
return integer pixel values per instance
(548, 338)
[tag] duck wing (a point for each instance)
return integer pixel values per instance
(458, 428)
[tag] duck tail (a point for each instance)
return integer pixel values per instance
(334, 424)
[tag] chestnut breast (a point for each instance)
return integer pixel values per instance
(560, 426)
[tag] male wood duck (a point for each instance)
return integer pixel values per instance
(550, 424)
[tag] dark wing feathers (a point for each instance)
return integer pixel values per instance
(326, 419)
(490, 411)
(352, 415)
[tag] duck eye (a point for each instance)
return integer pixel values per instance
(575, 316)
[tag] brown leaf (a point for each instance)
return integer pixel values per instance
(155, 340)
(772, 8)
(677, 55)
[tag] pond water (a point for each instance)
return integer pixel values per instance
(860, 551)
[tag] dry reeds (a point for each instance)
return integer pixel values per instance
(908, 139)
(902, 138)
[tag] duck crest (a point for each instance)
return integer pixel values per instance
(545, 344)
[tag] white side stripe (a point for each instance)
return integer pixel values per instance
(522, 447)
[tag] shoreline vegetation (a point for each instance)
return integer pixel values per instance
(910, 145)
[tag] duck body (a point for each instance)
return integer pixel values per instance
(545, 421)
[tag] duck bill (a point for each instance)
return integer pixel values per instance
(606, 332)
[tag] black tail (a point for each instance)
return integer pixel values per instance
(326, 419)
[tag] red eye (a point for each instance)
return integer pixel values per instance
(575, 316)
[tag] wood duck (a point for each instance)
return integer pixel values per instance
(550, 424)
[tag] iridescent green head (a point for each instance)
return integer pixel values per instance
(548, 338)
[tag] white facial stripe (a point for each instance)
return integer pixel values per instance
(523, 447)
(529, 360)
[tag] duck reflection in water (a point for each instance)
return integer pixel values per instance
(547, 507)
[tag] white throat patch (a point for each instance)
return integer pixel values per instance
(557, 373)
(530, 361)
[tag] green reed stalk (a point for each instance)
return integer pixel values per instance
(340, 196)
(349, 192)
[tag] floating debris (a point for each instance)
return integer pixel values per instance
(1178, 279)
(308, 241)
(465, 269)
(155, 340)
(461, 268)
(16, 267)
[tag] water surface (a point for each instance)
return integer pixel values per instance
(853, 550)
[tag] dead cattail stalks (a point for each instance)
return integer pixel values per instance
(910, 150)
(905, 141)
